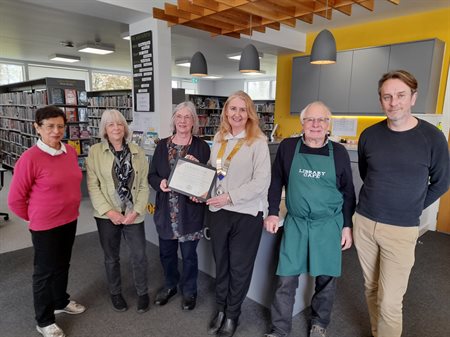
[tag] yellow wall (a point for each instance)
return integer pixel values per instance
(427, 25)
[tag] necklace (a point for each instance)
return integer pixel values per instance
(223, 169)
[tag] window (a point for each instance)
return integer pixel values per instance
(11, 73)
(108, 81)
(189, 86)
(261, 89)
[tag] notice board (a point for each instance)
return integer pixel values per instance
(143, 71)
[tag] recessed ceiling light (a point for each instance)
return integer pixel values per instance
(64, 58)
(237, 56)
(125, 36)
(96, 48)
(212, 77)
(185, 62)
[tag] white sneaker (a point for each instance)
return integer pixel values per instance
(73, 308)
(51, 330)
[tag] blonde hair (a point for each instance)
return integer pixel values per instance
(252, 129)
(112, 116)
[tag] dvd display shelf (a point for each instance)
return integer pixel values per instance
(99, 101)
(18, 105)
(208, 109)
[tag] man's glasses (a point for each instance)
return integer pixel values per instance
(51, 127)
(310, 120)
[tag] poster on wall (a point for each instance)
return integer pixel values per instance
(143, 71)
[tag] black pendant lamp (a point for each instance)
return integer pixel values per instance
(249, 62)
(198, 65)
(324, 48)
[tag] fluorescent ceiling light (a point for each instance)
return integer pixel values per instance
(213, 77)
(237, 56)
(255, 73)
(183, 62)
(125, 36)
(96, 48)
(64, 58)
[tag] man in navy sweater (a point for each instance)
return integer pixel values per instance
(404, 164)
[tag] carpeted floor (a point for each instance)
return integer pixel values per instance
(426, 305)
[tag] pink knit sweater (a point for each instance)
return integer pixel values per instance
(45, 190)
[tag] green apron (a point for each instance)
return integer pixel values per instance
(311, 241)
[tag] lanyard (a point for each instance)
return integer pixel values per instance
(222, 170)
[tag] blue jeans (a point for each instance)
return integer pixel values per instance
(134, 235)
(168, 253)
(321, 303)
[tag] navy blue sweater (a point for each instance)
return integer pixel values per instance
(282, 166)
(403, 172)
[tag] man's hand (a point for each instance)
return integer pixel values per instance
(347, 238)
(130, 218)
(115, 217)
(271, 223)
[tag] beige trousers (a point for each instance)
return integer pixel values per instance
(386, 255)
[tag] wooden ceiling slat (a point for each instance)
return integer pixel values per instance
(235, 17)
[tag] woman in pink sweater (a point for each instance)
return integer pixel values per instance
(45, 190)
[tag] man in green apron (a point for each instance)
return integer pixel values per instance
(320, 201)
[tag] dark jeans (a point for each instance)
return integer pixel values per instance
(321, 303)
(168, 253)
(235, 240)
(52, 253)
(134, 236)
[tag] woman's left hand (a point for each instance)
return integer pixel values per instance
(191, 157)
(219, 201)
(130, 218)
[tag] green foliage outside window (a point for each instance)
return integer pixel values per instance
(104, 81)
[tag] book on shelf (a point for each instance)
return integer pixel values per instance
(71, 114)
(75, 144)
(137, 136)
(84, 131)
(82, 97)
(150, 139)
(57, 96)
(82, 115)
(82, 163)
(85, 146)
(70, 96)
(74, 132)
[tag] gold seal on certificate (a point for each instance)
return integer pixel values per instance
(192, 178)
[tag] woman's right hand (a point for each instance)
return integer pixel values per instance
(164, 186)
(115, 217)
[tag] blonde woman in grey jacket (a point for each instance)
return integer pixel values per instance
(117, 183)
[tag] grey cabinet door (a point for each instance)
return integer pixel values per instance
(416, 58)
(334, 83)
(305, 83)
(367, 68)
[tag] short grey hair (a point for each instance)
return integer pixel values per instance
(323, 105)
(112, 116)
(191, 107)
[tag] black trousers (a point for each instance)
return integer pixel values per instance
(321, 302)
(168, 253)
(52, 253)
(235, 240)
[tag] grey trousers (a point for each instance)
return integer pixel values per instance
(134, 236)
(283, 303)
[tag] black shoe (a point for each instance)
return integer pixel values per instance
(216, 323)
(118, 303)
(188, 302)
(143, 304)
(228, 328)
(164, 295)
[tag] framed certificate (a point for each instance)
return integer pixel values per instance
(192, 178)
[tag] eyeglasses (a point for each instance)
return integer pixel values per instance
(183, 118)
(310, 120)
(401, 96)
(51, 127)
(112, 124)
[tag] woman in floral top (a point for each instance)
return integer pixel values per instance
(178, 220)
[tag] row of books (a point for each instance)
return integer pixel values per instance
(22, 112)
(265, 107)
(36, 98)
(266, 118)
(81, 146)
(68, 96)
(77, 132)
(206, 102)
(98, 111)
(74, 114)
(211, 120)
(111, 101)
